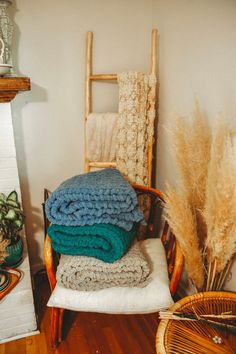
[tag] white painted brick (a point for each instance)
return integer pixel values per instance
(8, 163)
(21, 298)
(11, 183)
(10, 189)
(17, 308)
(7, 144)
(7, 147)
(7, 313)
(17, 320)
(22, 329)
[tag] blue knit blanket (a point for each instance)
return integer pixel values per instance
(102, 241)
(92, 198)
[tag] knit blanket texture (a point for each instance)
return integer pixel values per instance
(135, 126)
(100, 197)
(89, 274)
(103, 241)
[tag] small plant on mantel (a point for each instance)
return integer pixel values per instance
(201, 210)
(11, 223)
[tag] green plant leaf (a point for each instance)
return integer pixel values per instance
(19, 223)
(14, 204)
(4, 221)
(2, 197)
(11, 215)
(13, 196)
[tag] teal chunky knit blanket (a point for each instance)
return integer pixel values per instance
(101, 197)
(103, 241)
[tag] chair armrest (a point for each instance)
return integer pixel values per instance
(174, 257)
(49, 262)
(177, 269)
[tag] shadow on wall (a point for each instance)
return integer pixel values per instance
(34, 222)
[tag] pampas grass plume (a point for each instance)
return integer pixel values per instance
(202, 213)
(220, 206)
(191, 143)
(183, 224)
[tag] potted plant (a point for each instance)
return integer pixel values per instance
(11, 223)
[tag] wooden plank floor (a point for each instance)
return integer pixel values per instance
(87, 333)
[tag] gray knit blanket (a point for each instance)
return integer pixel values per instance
(89, 274)
(100, 197)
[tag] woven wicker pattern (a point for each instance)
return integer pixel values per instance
(194, 337)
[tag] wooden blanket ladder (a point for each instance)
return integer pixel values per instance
(90, 77)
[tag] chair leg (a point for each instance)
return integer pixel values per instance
(60, 325)
(54, 326)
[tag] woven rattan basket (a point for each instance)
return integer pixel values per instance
(194, 337)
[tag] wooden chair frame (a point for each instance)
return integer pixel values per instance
(173, 254)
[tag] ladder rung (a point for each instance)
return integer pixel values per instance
(102, 164)
(103, 77)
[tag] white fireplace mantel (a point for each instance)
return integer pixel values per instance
(16, 308)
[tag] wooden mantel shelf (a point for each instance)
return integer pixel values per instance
(10, 86)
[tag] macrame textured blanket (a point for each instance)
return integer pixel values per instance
(88, 273)
(103, 241)
(135, 125)
(100, 197)
(101, 131)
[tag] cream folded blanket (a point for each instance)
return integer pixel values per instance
(88, 273)
(101, 131)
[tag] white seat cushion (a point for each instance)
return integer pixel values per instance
(123, 300)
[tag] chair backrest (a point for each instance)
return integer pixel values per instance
(151, 202)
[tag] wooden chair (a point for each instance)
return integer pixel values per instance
(151, 202)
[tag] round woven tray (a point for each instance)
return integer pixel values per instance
(194, 337)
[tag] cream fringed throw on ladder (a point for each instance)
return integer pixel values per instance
(135, 124)
(101, 131)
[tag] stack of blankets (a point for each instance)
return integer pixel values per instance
(93, 219)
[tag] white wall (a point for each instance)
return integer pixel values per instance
(196, 59)
(48, 121)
